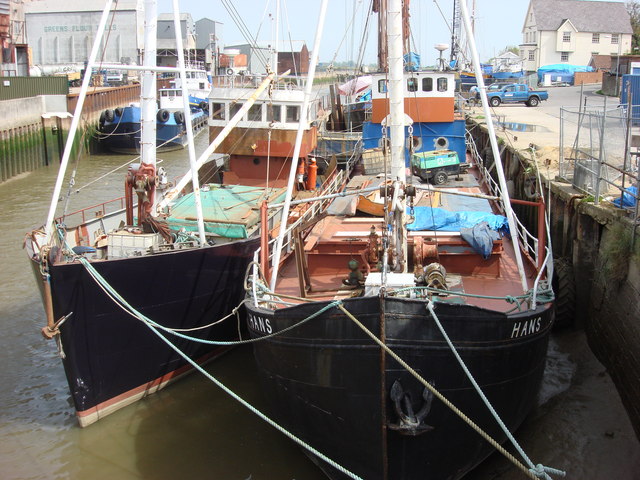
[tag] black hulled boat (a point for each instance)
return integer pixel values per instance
(425, 290)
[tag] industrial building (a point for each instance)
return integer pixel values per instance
(61, 33)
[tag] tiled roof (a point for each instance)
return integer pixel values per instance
(586, 16)
(600, 62)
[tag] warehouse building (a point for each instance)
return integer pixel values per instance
(61, 33)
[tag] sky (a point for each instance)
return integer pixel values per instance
(498, 24)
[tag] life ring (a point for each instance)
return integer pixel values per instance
(229, 71)
(178, 117)
(163, 115)
(108, 115)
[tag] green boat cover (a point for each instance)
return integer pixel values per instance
(228, 210)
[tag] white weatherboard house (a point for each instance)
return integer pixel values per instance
(572, 31)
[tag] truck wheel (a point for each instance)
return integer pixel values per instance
(533, 102)
(495, 101)
(440, 177)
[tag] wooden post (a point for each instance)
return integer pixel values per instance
(60, 139)
(44, 142)
(264, 241)
(4, 156)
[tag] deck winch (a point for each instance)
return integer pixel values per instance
(433, 275)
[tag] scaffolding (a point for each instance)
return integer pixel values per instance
(600, 154)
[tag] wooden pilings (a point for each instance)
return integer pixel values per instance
(21, 150)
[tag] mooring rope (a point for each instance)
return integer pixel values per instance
(532, 473)
(504, 428)
(154, 328)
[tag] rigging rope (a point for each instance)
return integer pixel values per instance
(538, 471)
(531, 473)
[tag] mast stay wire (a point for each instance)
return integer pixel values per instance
(237, 19)
(450, 28)
(286, 14)
(335, 55)
(365, 37)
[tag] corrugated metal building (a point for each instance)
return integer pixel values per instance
(61, 32)
(167, 55)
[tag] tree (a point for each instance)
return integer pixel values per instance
(510, 48)
(633, 7)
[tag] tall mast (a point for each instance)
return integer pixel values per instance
(148, 99)
(396, 90)
(48, 226)
(455, 32)
(494, 148)
(276, 40)
(406, 28)
(380, 7)
(304, 123)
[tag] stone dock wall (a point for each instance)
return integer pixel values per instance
(598, 242)
(33, 130)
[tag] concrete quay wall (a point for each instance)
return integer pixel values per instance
(595, 240)
(29, 138)
(27, 111)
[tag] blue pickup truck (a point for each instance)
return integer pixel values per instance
(516, 93)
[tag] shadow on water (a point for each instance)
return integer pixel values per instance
(194, 430)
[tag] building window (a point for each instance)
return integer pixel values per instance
(382, 86)
(564, 56)
(412, 84)
(274, 113)
(217, 111)
(566, 37)
(615, 38)
(427, 84)
(293, 113)
(255, 113)
(595, 38)
(532, 55)
(442, 84)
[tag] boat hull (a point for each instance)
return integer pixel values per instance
(110, 358)
(123, 134)
(330, 384)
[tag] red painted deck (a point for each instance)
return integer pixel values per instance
(335, 240)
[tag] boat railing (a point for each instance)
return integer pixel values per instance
(98, 210)
(333, 185)
(529, 243)
(288, 82)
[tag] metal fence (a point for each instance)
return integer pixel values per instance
(599, 151)
(24, 87)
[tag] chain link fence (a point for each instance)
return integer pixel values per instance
(599, 152)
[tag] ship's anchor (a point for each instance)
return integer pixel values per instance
(408, 422)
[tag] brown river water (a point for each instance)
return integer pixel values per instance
(194, 430)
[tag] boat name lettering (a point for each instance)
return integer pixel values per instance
(260, 324)
(520, 329)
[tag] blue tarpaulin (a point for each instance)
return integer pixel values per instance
(427, 218)
(481, 238)
(411, 62)
(628, 199)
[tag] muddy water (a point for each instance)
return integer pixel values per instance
(194, 430)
